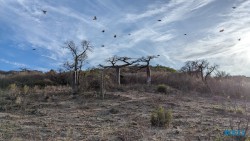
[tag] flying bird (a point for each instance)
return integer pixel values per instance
(129, 34)
(239, 39)
(114, 36)
(94, 18)
(103, 30)
(234, 7)
(33, 49)
(102, 45)
(221, 30)
(44, 11)
(185, 34)
(159, 20)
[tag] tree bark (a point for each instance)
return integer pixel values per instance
(148, 75)
(102, 84)
(75, 86)
(118, 75)
(75, 78)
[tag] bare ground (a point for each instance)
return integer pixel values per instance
(121, 116)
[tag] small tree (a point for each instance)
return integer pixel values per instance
(117, 63)
(79, 55)
(221, 74)
(146, 61)
(200, 68)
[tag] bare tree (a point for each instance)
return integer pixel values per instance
(201, 68)
(117, 63)
(79, 55)
(146, 61)
(221, 74)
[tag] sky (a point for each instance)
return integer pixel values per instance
(34, 40)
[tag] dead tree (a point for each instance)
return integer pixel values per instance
(146, 64)
(117, 63)
(79, 55)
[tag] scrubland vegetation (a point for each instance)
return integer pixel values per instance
(176, 105)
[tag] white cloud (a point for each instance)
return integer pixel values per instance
(48, 32)
(20, 65)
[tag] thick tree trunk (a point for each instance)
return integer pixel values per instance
(148, 75)
(75, 77)
(74, 85)
(118, 72)
(102, 84)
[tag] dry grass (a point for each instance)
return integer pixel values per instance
(120, 116)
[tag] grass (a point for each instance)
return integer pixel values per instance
(7, 130)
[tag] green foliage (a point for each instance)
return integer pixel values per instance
(161, 118)
(166, 68)
(162, 88)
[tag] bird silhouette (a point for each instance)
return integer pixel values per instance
(94, 18)
(33, 49)
(221, 30)
(239, 39)
(103, 30)
(159, 20)
(129, 34)
(44, 11)
(234, 7)
(115, 36)
(102, 45)
(185, 34)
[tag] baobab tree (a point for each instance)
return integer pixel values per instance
(146, 64)
(79, 55)
(201, 68)
(117, 63)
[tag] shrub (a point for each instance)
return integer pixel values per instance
(162, 88)
(113, 111)
(161, 118)
(26, 89)
(14, 90)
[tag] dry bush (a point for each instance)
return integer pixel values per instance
(133, 78)
(232, 86)
(26, 89)
(186, 82)
(56, 89)
(140, 78)
(91, 80)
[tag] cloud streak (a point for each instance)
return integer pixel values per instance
(139, 33)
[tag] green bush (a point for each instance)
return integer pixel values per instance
(161, 118)
(162, 88)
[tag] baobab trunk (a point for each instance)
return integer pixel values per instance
(148, 75)
(102, 84)
(75, 80)
(118, 75)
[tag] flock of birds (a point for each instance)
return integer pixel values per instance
(95, 18)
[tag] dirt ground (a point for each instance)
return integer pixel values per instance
(121, 116)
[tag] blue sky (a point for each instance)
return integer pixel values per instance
(24, 27)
